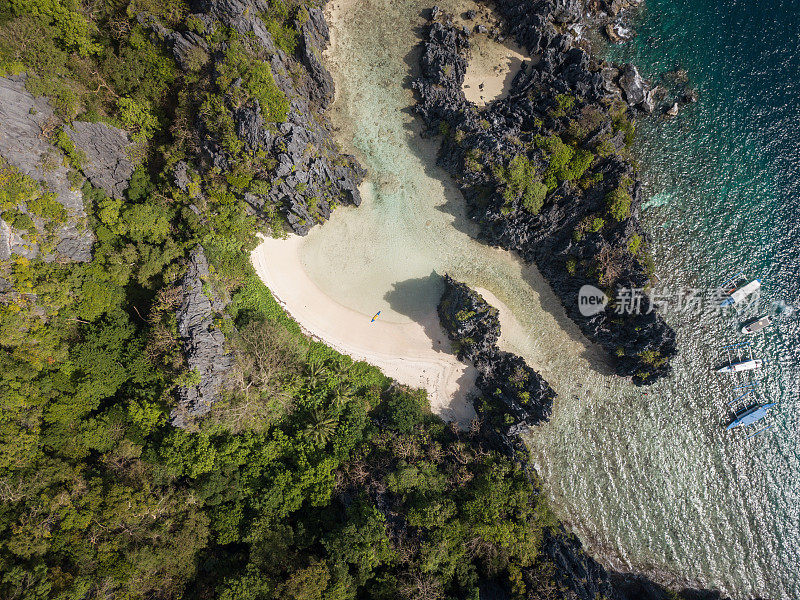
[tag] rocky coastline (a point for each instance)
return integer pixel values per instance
(289, 150)
(547, 171)
(513, 393)
(514, 397)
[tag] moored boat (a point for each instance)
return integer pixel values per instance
(750, 415)
(745, 365)
(757, 325)
(741, 293)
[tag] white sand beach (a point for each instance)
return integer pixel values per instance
(414, 353)
(411, 228)
(491, 70)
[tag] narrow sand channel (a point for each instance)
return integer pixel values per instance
(389, 254)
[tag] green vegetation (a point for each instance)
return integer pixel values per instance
(291, 487)
(278, 20)
(257, 79)
(522, 182)
(75, 157)
(571, 265)
(565, 163)
(618, 202)
(565, 103)
(652, 358)
(634, 243)
(73, 31)
(589, 224)
(621, 122)
(472, 160)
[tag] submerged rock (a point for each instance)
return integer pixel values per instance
(672, 111)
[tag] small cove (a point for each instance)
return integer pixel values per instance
(646, 478)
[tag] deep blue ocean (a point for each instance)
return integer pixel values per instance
(722, 182)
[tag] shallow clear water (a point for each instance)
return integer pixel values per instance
(389, 254)
(648, 477)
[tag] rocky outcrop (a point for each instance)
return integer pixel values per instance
(187, 48)
(514, 397)
(508, 384)
(309, 176)
(546, 172)
(636, 90)
(24, 124)
(203, 343)
(469, 321)
(315, 38)
(106, 148)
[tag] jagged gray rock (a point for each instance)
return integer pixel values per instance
(181, 176)
(250, 126)
(311, 175)
(510, 387)
(23, 121)
(567, 11)
(186, 46)
(633, 85)
(316, 37)
(203, 343)
(547, 235)
(108, 165)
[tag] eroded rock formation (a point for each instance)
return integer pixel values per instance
(203, 343)
(25, 123)
(508, 384)
(547, 172)
(310, 175)
(108, 164)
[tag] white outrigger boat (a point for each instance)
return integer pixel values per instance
(740, 364)
(737, 294)
(745, 365)
(757, 325)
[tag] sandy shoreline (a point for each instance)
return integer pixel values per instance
(415, 354)
(492, 65)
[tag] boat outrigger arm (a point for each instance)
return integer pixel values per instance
(741, 363)
(755, 433)
(740, 294)
(750, 415)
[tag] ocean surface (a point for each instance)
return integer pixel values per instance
(723, 182)
(648, 478)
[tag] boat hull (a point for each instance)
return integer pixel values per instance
(747, 365)
(756, 326)
(750, 416)
(742, 293)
